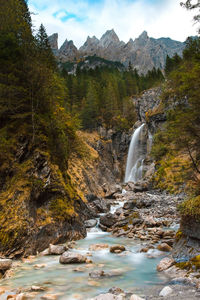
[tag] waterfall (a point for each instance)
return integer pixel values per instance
(136, 155)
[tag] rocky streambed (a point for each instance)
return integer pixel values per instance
(126, 255)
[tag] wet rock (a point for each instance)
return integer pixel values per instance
(72, 258)
(165, 264)
(45, 252)
(117, 249)
(98, 247)
(57, 249)
(90, 223)
(39, 266)
(103, 228)
(165, 291)
(97, 274)
(108, 220)
(136, 297)
(36, 288)
(5, 264)
(109, 297)
(164, 247)
(115, 291)
(144, 250)
(101, 206)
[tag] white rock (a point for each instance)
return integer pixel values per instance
(165, 264)
(165, 291)
(136, 297)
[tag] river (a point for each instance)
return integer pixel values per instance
(132, 271)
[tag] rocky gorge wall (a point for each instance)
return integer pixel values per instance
(103, 164)
(152, 112)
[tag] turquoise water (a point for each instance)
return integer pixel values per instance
(135, 270)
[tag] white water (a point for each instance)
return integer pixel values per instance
(134, 166)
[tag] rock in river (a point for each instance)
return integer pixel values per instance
(117, 249)
(72, 258)
(57, 249)
(90, 223)
(108, 220)
(5, 264)
(165, 264)
(164, 247)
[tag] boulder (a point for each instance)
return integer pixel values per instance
(72, 258)
(117, 249)
(57, 249)
(165, 291)
(101, 206)
(90, 223)
(113, 190)
(5, 264)
(98, 247)
(164, 247)
(108, 220)
(165, 264)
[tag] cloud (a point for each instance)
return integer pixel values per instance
(76, 19)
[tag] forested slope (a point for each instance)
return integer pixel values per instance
(41, 109)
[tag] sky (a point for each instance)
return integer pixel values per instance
(77, 19)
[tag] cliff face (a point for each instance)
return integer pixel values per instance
(99, 173)
(143, 53)
(38, 202)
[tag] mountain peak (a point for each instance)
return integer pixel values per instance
(53, 41)
(143, 36)
(108, 38)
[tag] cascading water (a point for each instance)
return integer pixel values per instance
(136, 156)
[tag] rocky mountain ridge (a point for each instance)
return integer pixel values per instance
(144, 53)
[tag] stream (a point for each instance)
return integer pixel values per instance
(132, 271)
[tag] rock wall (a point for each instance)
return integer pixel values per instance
(38, 204)
(103, 164)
